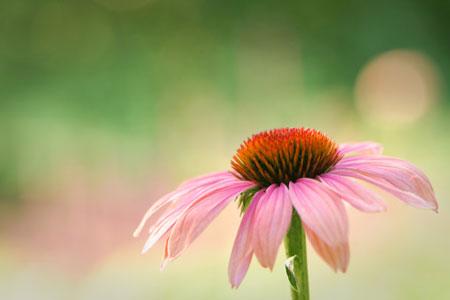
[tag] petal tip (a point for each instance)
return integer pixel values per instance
(382, 209)
(136, 233)
(343, 268)
(376, 209)
(435, 207)
(235, 282)
(432, 206)
(163, 264)
(149, 244)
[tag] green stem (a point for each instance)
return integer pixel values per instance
(295, 245)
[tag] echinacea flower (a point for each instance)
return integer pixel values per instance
(275, 175)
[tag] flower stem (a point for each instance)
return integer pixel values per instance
(295, 245)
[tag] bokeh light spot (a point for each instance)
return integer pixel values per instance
(397, 88)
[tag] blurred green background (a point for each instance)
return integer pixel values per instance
(107, 104)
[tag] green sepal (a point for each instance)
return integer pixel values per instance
(289, 267)
(245, 198)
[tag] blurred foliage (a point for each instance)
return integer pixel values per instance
(71, 68)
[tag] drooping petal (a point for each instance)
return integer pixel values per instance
(354, 193)
(198, 216)
(321, 210)
(398, 177)
(187, 197)
(361, 148)
(167, 220)
(156, 207)
(185, 188)
(384, 162)
(273, 216)
(242, 252)
(207, 179)
(337, 256)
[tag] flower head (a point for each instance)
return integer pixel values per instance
(277, 173)
(285, 155)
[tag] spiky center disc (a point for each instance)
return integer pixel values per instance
(284, 155)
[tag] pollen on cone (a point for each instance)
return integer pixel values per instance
(284, 155)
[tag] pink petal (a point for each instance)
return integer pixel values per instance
(337, 256)
(198, 216)
(273, 216)
(186, 198)
(355, 194)
(207, 179)
(185, 188)
(192, 196)
(156, 207)
(321, 210)
(383, 161)
(398, 177)
(361, 148)
(242, 252)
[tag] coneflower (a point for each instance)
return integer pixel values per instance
(289, 183)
